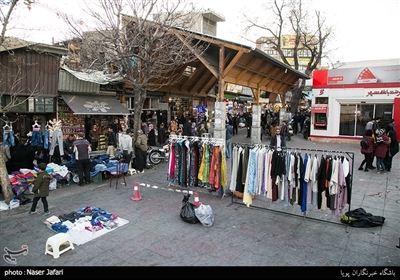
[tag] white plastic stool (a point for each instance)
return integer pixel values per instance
(54, 243)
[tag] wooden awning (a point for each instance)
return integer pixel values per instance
(227, 62)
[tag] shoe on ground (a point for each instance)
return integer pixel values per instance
(46, 213)
(32, 212)
(372, 167)
(360, 168)
(366, 170)
(140, 171)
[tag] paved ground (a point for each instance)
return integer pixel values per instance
(265, 234)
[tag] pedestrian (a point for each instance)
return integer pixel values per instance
(235, 124)
(276, 142)
(370, 124)
(284, 132)
(180, 130)
(94, 137)
(141, 151)
(162, 134)
(249, 122)
(194, 129)
(69, 148)
(391, 126)
(381, 148)
(125, 145)
(41, 189)
(145, 128)
(116, 127)
(296, 123)
(172, 128)
(202, 129)
(111, 141)
(228, 139)
(187, 128)
(369, 152)
(82, 149)
(393, 148)
(151, 136)
(376, 124)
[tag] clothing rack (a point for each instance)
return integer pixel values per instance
(285, 149)
(176, 138)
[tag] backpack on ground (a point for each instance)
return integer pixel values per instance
(364, 144)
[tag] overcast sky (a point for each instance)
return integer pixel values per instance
(364, 29)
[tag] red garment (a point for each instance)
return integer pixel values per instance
(371, 144)
(381, 148)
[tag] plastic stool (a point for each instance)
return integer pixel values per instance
(54, 243)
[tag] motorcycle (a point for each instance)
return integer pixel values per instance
(157, 154)
(306, 127)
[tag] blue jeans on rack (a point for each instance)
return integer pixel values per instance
(8, 139)
(36, 138)
(46, 139)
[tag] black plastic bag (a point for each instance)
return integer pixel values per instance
(187, 211)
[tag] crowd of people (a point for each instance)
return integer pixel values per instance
(382, 145)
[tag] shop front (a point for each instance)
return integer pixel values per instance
(344, 100)
(78, 113)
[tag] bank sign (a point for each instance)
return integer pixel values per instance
(379, 76)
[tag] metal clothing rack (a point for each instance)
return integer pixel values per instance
(217, 141)
(348, 154)
(174, 138)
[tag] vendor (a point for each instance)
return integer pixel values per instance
(69, 148)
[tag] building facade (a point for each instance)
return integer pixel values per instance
(346, 98)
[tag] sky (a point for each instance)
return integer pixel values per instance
(364, 29)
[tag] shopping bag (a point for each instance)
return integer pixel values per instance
(205, 215)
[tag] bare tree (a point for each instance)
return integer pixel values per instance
(291, 17)
(144, 41)
(7, 7)
(11, 81)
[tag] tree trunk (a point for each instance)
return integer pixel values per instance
(5, 181)
(140, 97)
(297, 94)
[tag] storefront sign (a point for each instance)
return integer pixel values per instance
(319, 108)
(384, 91)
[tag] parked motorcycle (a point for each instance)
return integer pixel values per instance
(157, 154)
(306, 127)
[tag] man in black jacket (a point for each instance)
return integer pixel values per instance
(111, 142)
(69, 148)
(82, 148)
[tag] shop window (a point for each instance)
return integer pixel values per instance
(354, 117)
(321, 100)
(41, 105)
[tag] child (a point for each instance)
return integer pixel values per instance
(41, 189)
(381, 147)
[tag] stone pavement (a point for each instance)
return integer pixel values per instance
(264, 234)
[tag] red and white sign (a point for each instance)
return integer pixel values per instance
(319, 108)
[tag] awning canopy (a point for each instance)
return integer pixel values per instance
(94, 104)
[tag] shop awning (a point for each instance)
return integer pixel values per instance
(319, 108)
(94, 104)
